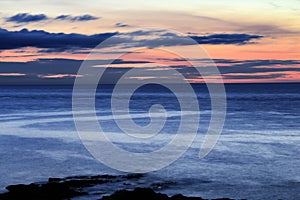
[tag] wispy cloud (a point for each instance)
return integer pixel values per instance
(26, 18)
(257, 75)
(23, 18)
(121, 25)
(56, 76)
(11, 74)
(164, 38)
(76, 18)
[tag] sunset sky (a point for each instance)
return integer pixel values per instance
(45, 42)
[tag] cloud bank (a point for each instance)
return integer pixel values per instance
(45, 40)
(64, 71)
(59, 42)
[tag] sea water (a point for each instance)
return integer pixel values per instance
(257, 155)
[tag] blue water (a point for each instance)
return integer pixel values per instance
(256, 157)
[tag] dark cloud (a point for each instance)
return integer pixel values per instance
(42, 66)
(255, 66)
(121, 25)
(63, 17)
(165, 38)
(226, 38)
(45, 40)
(244, 69)
(226, 61)
(203, 60)
(59, 42)
(44, 71)
(254, 76)
(26, 18)
(120, 61)
(265, 69)
(76, 18)
(58, 65)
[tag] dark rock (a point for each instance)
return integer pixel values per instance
(105, 176)
(69, 187)
(40, 191)
(50, 180)
(147, 194)
(55, 188)
(138, 193)
(181, 197)
(133, 176)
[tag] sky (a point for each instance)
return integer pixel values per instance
(45, 42)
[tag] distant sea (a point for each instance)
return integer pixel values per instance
(256, 157)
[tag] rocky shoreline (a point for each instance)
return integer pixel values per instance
(86, 186)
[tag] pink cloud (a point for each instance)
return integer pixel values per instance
(59, 76)
(12, 74)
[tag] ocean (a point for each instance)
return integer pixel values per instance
(257, 155)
